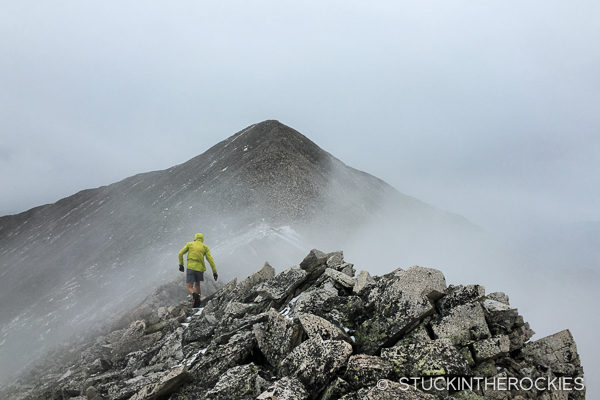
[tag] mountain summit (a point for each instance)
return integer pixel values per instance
(266, 192)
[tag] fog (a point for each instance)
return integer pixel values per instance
(485, 110)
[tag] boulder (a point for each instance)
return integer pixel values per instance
(217, 359)
(201, 329)
(459, 295)
(167, 383)
(501, 317)
(490, 348)
(364, 370)
(238, 383)
(99, 365)
(133, 339)
(335, 260)
(315, 326)
(314, 263)
(347, 269)
(462, 324)
(236, 309)
(400, 301)
(557, 352)
(312, 301)
(426, 359)
(500, 297)
(519, 336)
(170, 350)
(363, 280)
(339, 277)
(315, 362)
(286, 388)
(336, 389)
(282, 285)
(277, 337)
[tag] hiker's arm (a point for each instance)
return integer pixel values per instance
(211, 261)
(181, 253)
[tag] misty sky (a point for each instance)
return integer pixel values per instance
(487, 109)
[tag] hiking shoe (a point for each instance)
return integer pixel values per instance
(196, 300)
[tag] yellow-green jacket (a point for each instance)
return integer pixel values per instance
(197, 250)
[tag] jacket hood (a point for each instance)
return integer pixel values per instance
(199, 236)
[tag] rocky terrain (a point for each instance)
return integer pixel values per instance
(316, 331)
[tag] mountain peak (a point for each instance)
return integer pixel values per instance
(273, 133)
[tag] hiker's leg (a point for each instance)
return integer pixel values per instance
(190, 288)
(197, 287)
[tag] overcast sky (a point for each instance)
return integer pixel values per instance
(488, 109)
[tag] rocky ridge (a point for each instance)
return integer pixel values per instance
(317, 331)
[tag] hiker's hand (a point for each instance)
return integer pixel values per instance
(181, 268)
(216, 276)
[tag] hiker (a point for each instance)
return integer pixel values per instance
(196, 250)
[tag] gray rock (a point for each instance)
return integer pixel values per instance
(400, 301)
(417, 280)
(167, 383)
(500, 316)
(201, 329)
(363, 280)
(344, 311)
(459, 295)
(236, 309)
(336, 389)
(277, 337)
(347, 269)
(556, 352)
(335, 260)
(315, 326)
(239, 382)
(519, 336)
(338, 277)
(462, 324)
(500, 297)
(312, 301)
(316, 361)
(287, 388)
(99, 365)
(282, 285)
(491, 348)
(425, 359)
(219, 358)
(171, 349)
(314, 263)
(364, 370)
(416, 335)
(133, 339)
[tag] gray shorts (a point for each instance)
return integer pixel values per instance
(192, 276)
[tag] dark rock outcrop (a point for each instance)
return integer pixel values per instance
(309, 333)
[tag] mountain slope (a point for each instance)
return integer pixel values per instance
(265, 192)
